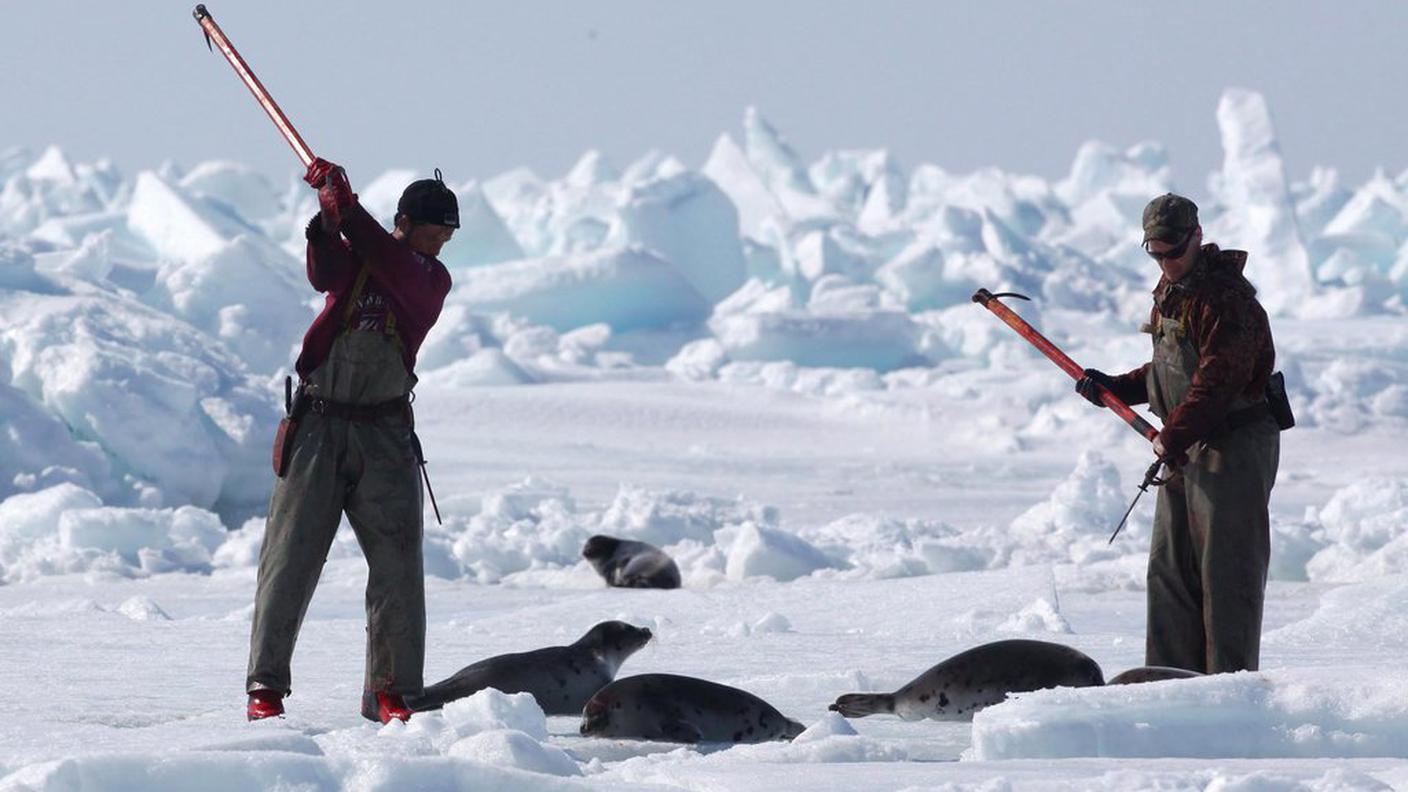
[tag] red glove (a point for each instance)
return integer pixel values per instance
(318, 171)
(334, 191)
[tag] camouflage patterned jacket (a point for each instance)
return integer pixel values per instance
(1219, 309)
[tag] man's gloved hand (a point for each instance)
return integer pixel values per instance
(1089, 385)
(334, 191)
(318, 171)
(1162, 453)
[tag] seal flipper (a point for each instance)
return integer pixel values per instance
(859, 705)
(464, 683)
(681, 731)
(424, 703)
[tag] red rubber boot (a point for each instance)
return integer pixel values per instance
(384, 707)
(265, 704)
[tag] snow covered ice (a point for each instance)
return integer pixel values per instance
(768, 367)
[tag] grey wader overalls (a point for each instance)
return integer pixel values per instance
(368, 469)
(1211, 544)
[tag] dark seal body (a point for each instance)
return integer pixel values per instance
(670, 708)
(629, 564)
(561, 678)
(1135, 676)
(980, 677)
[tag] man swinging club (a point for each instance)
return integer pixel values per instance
(352, 448)
(348, 443)
(1211, 382)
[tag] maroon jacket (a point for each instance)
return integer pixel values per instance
(1235, 352)
(411, 285)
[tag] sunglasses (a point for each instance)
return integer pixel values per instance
(1173, 252)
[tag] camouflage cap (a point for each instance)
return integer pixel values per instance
(1169, 218)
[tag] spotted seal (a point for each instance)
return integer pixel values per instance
(629, 564)
(561, 678)
(977, 678)
(670, 708)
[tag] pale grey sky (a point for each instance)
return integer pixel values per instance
(479, 87)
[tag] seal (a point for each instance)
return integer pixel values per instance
(1135, 676)
(977, 678)
(670, 708)
(629, 564)
(561, 678)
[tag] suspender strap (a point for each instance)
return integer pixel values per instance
(353, 296)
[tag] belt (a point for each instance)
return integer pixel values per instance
(1247, 415)
(357, 413)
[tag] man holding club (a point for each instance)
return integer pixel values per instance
(1208, 380)
(352, 448)
(348, 443)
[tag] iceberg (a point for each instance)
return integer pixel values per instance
(482, 238)
(729, 168)
(627, 288)
(135, 310)
(1256, 213)
(868, 186)
(380, 195)
(246, 191)
(690, 223)
(247, 293)
(138, 384)
(880, 340)
(765, 178)
(37, 450)
(177, 226)
(592, 168)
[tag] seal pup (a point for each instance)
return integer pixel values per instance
(977, 678)
(670, 708)
(1135, 676)
(629, 564)
(561, 678)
